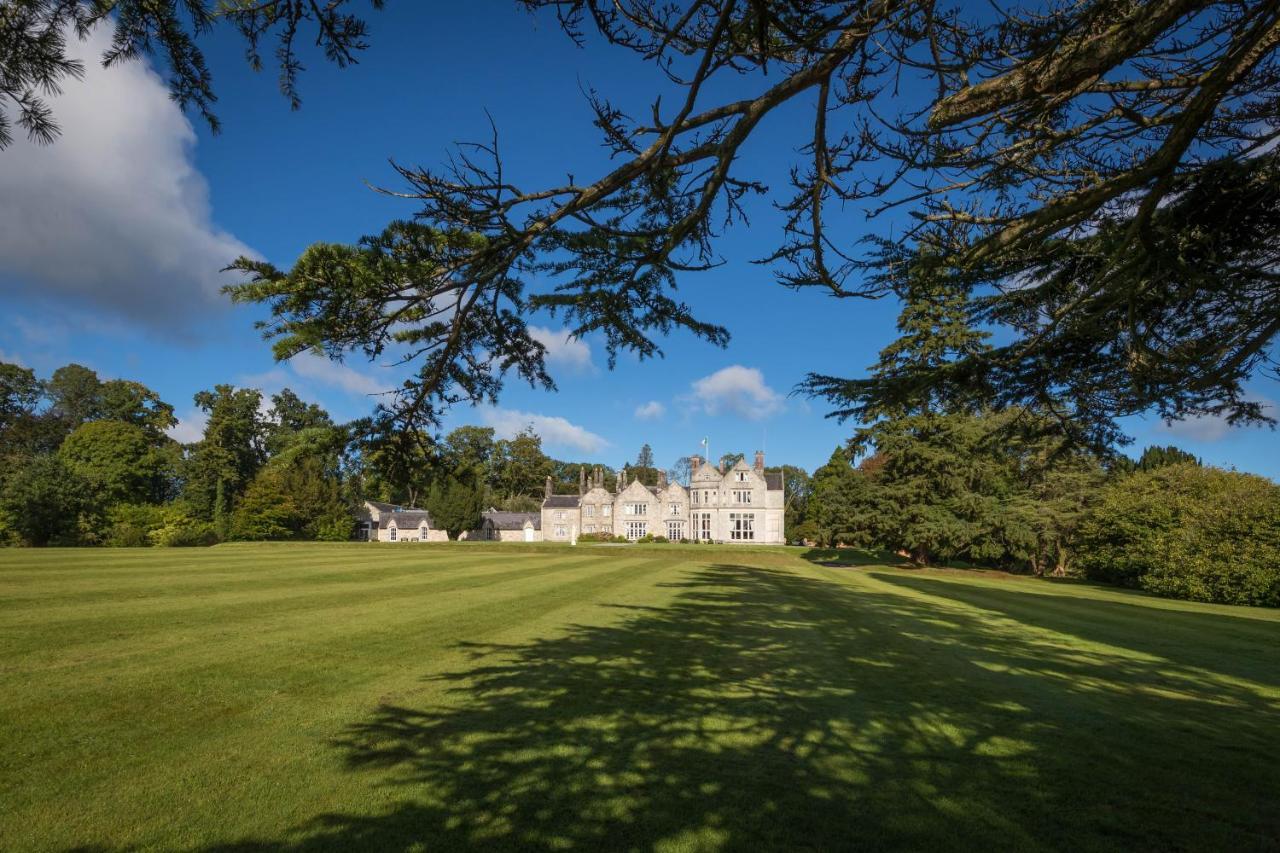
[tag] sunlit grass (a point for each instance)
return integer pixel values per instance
(675, 698)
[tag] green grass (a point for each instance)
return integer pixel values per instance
(442, 697)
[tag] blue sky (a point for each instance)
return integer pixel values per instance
(111, 241)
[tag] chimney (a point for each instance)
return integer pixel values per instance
(720, 466)
(582, 479)
(695, 462)
(548, 488)
(662, 479)
(760, 461)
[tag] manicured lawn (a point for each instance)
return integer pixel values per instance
(441, 697)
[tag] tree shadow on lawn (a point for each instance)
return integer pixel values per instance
(766, 710)
(1241, 646)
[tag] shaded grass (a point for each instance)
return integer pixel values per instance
(513, 697)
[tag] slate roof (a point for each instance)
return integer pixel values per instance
(405, 518)
(513, 520)
(773, 481)
(562, 502)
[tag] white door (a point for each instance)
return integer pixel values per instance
(528, 534)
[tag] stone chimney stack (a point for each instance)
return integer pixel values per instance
(598, 476)
(720, 467)
(622, 479)
(547, 491)
(662, 479)
(695, 462)
(760, 461)
(582, 479)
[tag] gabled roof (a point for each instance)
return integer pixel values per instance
(513, 520)
(405, 518)
(561, 501)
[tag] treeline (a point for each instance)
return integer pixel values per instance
(968, 492)
(970, 477)
(90, 462)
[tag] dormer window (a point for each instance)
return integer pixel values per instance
(742, 476)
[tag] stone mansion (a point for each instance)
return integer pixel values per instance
(740, 505)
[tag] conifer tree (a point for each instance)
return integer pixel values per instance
(936, 493)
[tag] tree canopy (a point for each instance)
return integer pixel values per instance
(35, 62)
(1099, 178)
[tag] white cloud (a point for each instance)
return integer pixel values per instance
(12, 358)
(1208, 428)
(651, 410)
(736, 390)
(190, 426)
(114, 215)
(553, 430)
(328, 372)
(563, 350)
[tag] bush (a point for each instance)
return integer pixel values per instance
(336, 529)
(181, 530)
(1183, 531)
(131, 525)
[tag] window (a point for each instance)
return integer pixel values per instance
(636, 509)
(560, 531)
(742, 496)
(697, 496)
(636, 529)
(391, 532)
(560, 516)
(702, 525)
(675, 530)
(588, 528)
(422, 532)
(590, 511)
(742, 526)
(741, 476)
(606, 510)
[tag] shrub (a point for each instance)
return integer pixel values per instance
(131, 525)
(336, 529)
(596, 537)
(181, 530)
(1184, 531)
